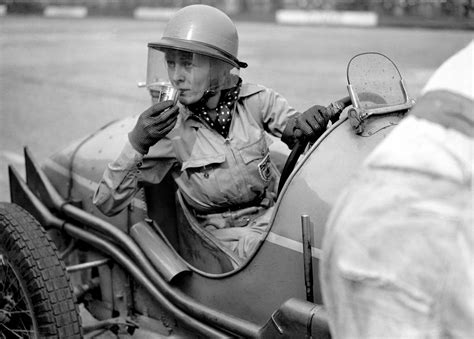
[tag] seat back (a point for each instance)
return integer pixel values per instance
(200, 248)
(202, 251)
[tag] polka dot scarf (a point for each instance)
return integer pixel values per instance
(222, 121)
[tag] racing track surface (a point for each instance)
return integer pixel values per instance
(61, 79)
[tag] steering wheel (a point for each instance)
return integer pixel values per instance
(335, 109)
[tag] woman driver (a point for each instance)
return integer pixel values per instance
(214, 141)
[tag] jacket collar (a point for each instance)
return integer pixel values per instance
(249, 89)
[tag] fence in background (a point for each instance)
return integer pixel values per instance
(415, 12)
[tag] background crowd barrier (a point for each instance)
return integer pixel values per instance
(458, 14)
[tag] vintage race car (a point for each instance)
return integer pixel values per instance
(149, 271)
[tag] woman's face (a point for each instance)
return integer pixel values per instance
(190, 73)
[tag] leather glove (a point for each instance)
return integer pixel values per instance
(312, 123)
(152, 125)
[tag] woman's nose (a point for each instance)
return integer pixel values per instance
(177, 74)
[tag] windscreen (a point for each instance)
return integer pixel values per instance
(376, 80)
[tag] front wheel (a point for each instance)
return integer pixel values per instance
(36, 298)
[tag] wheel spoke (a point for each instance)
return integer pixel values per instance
(15, 332)
(22, 330)
(21, 312)
(12, 278)
(18, 302)
(25, 312)
(8, 274)
(4, 273)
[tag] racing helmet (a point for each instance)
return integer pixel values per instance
(197, 53)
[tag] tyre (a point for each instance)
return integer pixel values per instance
(36, 298)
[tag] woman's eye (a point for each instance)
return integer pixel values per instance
(170, 64)
(188, 64)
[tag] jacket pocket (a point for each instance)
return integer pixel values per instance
(202, 182)
(201, 162)
(255, 151)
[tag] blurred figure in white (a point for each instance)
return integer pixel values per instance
(397, 257)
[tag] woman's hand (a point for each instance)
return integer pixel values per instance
(312, 123)
(153, 125)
